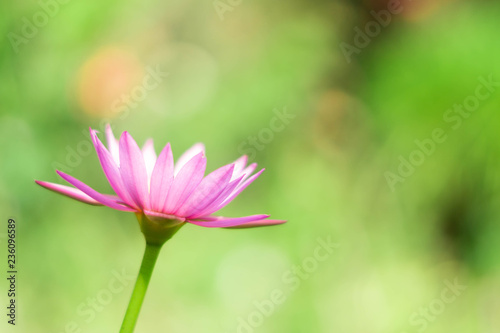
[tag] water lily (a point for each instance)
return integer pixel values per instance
(164, 195)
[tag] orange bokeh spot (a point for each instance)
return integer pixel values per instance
(104, 78)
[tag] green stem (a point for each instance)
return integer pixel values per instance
(141, 285)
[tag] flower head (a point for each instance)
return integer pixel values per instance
(165, 195)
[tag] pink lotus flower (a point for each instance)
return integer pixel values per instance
(161, 192)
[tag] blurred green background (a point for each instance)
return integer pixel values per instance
(345, 165)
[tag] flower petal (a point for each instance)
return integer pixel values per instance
(102, 198)
(207, 191)
(148, 151)
(239, 189)
(112, 144)
(239, 165)
(68, 191)
(133, 170)
(213, 206)
(225, 222)
(161, 178)
(260, 223)
(185, 182)
(188, 155)
(156, 216)
(249, 169)
(111, 170)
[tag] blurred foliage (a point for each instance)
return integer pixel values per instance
(229, 73)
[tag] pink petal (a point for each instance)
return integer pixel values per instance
(185, 182)
(69, 192)
(249, 169)
(261, 223)
(133, 171)
(239, 165)
(148, 151)
(111, 170)
(112, 144)
(161, 178)
(240, 168)
(188, 155)
(209, 189)
(239, 189)
(156, 216)
(213, 206)
(225, 222)
(103, 199)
